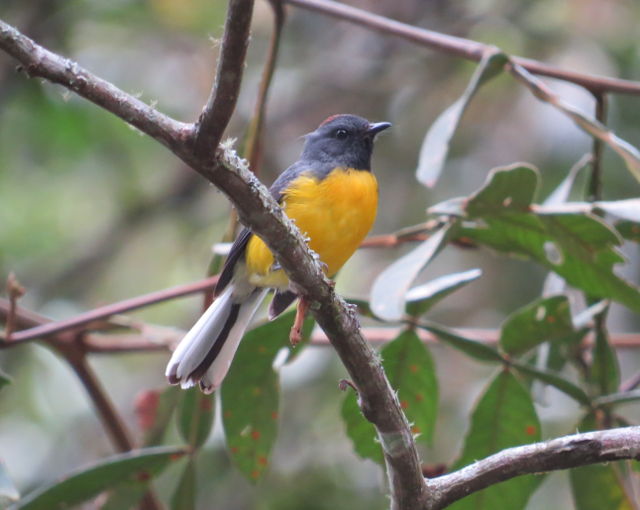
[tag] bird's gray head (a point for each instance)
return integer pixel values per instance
(343, 141)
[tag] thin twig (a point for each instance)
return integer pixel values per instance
(116, 428)
(74, 353)
(15, 292)
(127, 305)
(155, 340)
(252, 150)
(595, 181)
(630, 384)
(224, 94)
(460, 47)
(561, 453)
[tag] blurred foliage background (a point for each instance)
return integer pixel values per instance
(92, 212)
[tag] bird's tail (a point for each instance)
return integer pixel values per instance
(205, 353)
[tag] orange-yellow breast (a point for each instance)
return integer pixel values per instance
(335, 213)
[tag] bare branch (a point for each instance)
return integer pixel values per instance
(33, 327)
(561, 453)
(43, 330)
(460, 47)
(15, 291)
(597, 150)
(114, 424)
(224, 94)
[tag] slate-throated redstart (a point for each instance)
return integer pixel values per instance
(332, 196)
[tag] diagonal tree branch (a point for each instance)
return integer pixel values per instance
(561, 453)
(45, 328)
(460, 47)
(258, 210)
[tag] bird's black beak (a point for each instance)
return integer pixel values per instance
(376, 127)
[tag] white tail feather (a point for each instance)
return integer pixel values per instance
(197, 343)
(212, 379)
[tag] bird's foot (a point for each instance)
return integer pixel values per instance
(295, 336)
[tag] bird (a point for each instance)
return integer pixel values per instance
(331, 195)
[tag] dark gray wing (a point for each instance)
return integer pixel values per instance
(281, 300)
(240, 244)
(237, 251)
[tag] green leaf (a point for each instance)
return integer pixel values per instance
(195, 416)
(422, 298)
(546, 319)
(154, 415)
(451, 207)
(126, 496)
(630, 230)
(605, 372)
(8, 491)
(361, 432)
(503, 417)
(250, 395)
(598, 486)
(388, 294)
(561, 194)
(412, 373)
(580, 247)
(4, 379)
(617, 398)
(86, 483)
(509, 189)
(625, 150)
(435, 146)
(554, 379)
(184, 496)
(628, 209)
(472, 348)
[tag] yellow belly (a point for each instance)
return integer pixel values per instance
(335, 213)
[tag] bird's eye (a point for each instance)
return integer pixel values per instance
(341, 134)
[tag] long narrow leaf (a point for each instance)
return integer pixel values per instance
(184, 496)
(554, 379)
(195, 416)
(598, 486)
(436, 142)
(504, 417)
(561, 194)
(8, 491)
(411, 372)
(618, 398)
(472, 348)
(624, 149)
(4, 379)
(251, 395)
(389, 291)
(90, 481)
(420, 299)
(361, 432)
